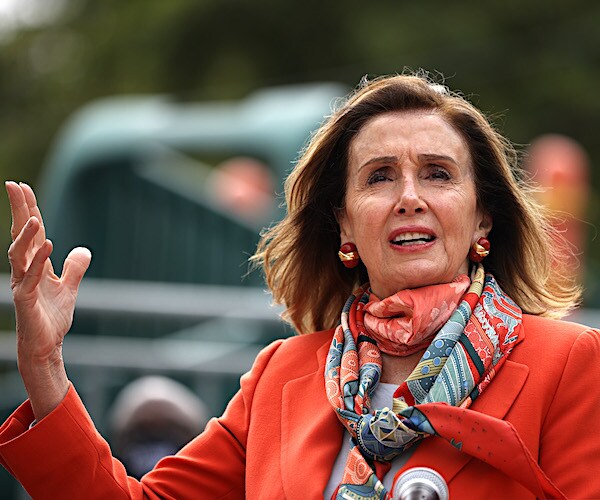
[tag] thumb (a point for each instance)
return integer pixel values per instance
(75, 266)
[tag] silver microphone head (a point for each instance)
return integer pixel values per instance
(420, 483)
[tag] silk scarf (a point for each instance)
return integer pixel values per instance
(460, 362)
(405, 322)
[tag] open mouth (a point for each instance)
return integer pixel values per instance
(408, 239)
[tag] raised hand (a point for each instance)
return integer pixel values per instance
(44, 303)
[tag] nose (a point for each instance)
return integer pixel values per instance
(410, 201)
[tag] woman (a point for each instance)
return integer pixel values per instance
(445, 356)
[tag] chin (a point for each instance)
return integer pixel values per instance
(421, 273)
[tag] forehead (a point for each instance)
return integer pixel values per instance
(406, 133)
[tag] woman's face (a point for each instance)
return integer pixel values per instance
(410, 205)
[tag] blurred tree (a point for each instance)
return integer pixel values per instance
(533, 62)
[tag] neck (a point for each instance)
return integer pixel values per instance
(396, 369)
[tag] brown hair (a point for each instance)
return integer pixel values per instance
(299, 254)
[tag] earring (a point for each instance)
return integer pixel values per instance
(348, 254)
(479, 250)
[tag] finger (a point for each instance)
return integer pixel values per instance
(34, 210)
(76, 264)
(36, 269)
(18, 250)
(18, 207)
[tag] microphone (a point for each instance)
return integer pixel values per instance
(420, 483)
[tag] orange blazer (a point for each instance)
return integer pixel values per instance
(278, 437)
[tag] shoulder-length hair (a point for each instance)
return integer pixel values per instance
(299, 254)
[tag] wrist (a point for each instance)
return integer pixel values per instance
(46, 384)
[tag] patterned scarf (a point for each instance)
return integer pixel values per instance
(406, 322)
(458, 365)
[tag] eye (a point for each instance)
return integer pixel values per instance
(380, 175)
(439, 173)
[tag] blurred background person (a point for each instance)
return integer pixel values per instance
(560, 167)
(245, 186)
(153, 417)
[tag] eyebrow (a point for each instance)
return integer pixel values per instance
(394, 159)
(438, 157)
(379, 159)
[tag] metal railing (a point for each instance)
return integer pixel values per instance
(189, 353)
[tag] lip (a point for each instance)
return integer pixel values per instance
(412, 229)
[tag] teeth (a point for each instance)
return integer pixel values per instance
(404, 237)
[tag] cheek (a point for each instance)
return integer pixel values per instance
(461, 221)
(361, 213)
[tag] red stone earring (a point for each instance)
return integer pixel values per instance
(348, 254)
(479, 250)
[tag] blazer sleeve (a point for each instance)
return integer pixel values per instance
(573, 463)
(64, 456)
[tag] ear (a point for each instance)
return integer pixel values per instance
(485, 225)
(342, 220)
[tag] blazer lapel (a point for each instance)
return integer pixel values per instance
(311, 434)
(495, 401)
